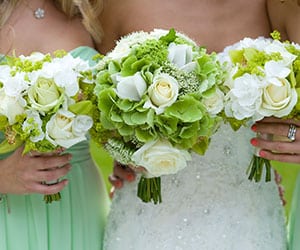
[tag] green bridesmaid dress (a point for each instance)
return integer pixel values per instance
(294, 219)
(290, 174)
(76, 222)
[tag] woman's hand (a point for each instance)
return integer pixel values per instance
(278, 147)
(120, 174)
(24, 174)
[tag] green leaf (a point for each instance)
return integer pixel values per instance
(170, 37)
(82, 108)
(6, 147)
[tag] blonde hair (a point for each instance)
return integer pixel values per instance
(89, 10)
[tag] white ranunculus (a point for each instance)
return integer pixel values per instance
(11, 106)
(214, 102)
(130, 87)
(244, 98)
(161, 158)
(278, 100)
(163, 92)
(180, 54)
(45, 95)
(66, 129)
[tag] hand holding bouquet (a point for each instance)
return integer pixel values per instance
(43, 103)
(158, 99)
(263, 81)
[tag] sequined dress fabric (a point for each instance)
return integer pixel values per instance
(209, 205)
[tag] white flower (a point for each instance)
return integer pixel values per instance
(125, 44)
(33, 125)
(13, 85)
(180, 54)
(130, 87)
(278, 97)
(45, 95)
(34, 57)
(244, 98)
(214, 102)
(66, 129)
(163, 92)
(161, 158)
(277, 47)
(11, 106)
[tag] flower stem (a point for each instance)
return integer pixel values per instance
(52, 197)
(256, 168)
(149, 189)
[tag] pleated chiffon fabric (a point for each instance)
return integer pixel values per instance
(76, 222)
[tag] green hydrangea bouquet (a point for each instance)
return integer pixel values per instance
(158, 99)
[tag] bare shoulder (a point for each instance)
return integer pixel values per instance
(120, 17)
(285, 17)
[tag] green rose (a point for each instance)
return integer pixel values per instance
(45, 95)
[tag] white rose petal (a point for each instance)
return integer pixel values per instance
(59, 129)
(163, 92)
(161, 158)
(214, 103)
(180, 54)
(130, 87)
(278, 100)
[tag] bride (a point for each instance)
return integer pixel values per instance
(210, 204)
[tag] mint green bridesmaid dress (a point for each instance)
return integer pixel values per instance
(76, 222)
(294, 219)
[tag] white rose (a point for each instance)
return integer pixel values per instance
(278, 100)
(243, 100)
(45, 95)
(214, 102)
(180, 54)
(163, 92)
(130, 87)
(66, 129)
(161, 158)
(11, 106)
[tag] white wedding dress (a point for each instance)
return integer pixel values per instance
(209, 205)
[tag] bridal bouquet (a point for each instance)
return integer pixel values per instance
(158, 99)
(263, 81)
(43, 103)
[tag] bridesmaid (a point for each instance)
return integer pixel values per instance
(285, 17)
(76, 222)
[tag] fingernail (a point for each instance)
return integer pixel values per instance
(130, 177)
(262, 153)
(254, 142)
(254, 127)
(118, 184)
